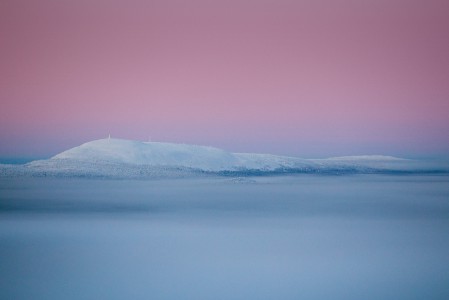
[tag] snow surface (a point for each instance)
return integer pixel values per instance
(134, 159)
(150, 153)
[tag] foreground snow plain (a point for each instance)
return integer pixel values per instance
(308, 236)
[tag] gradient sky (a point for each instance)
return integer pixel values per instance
(310, 78)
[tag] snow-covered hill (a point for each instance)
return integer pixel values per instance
(120, 151)
(133, 159)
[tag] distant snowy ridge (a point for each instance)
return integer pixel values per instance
(150, 153)
(133, 159)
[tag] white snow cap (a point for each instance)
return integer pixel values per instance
(113, 150)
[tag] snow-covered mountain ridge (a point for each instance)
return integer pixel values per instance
(126, 158)
(119, 151)
(150, 153)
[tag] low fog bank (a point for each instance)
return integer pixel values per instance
(295, 237)
(363, 196)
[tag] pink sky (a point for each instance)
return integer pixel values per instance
(305, 78)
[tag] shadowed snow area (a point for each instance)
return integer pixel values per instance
(119, 158)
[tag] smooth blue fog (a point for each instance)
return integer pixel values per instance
(266, 237)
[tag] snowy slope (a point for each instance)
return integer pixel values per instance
(118, 151)
(150, 153)
(134, 159)
(125, 152)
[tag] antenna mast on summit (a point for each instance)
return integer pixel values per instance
(109, 137)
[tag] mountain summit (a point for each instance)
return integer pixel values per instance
(150, 153)
(126, 158)
(119, 151)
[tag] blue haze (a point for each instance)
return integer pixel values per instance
(292, 237)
